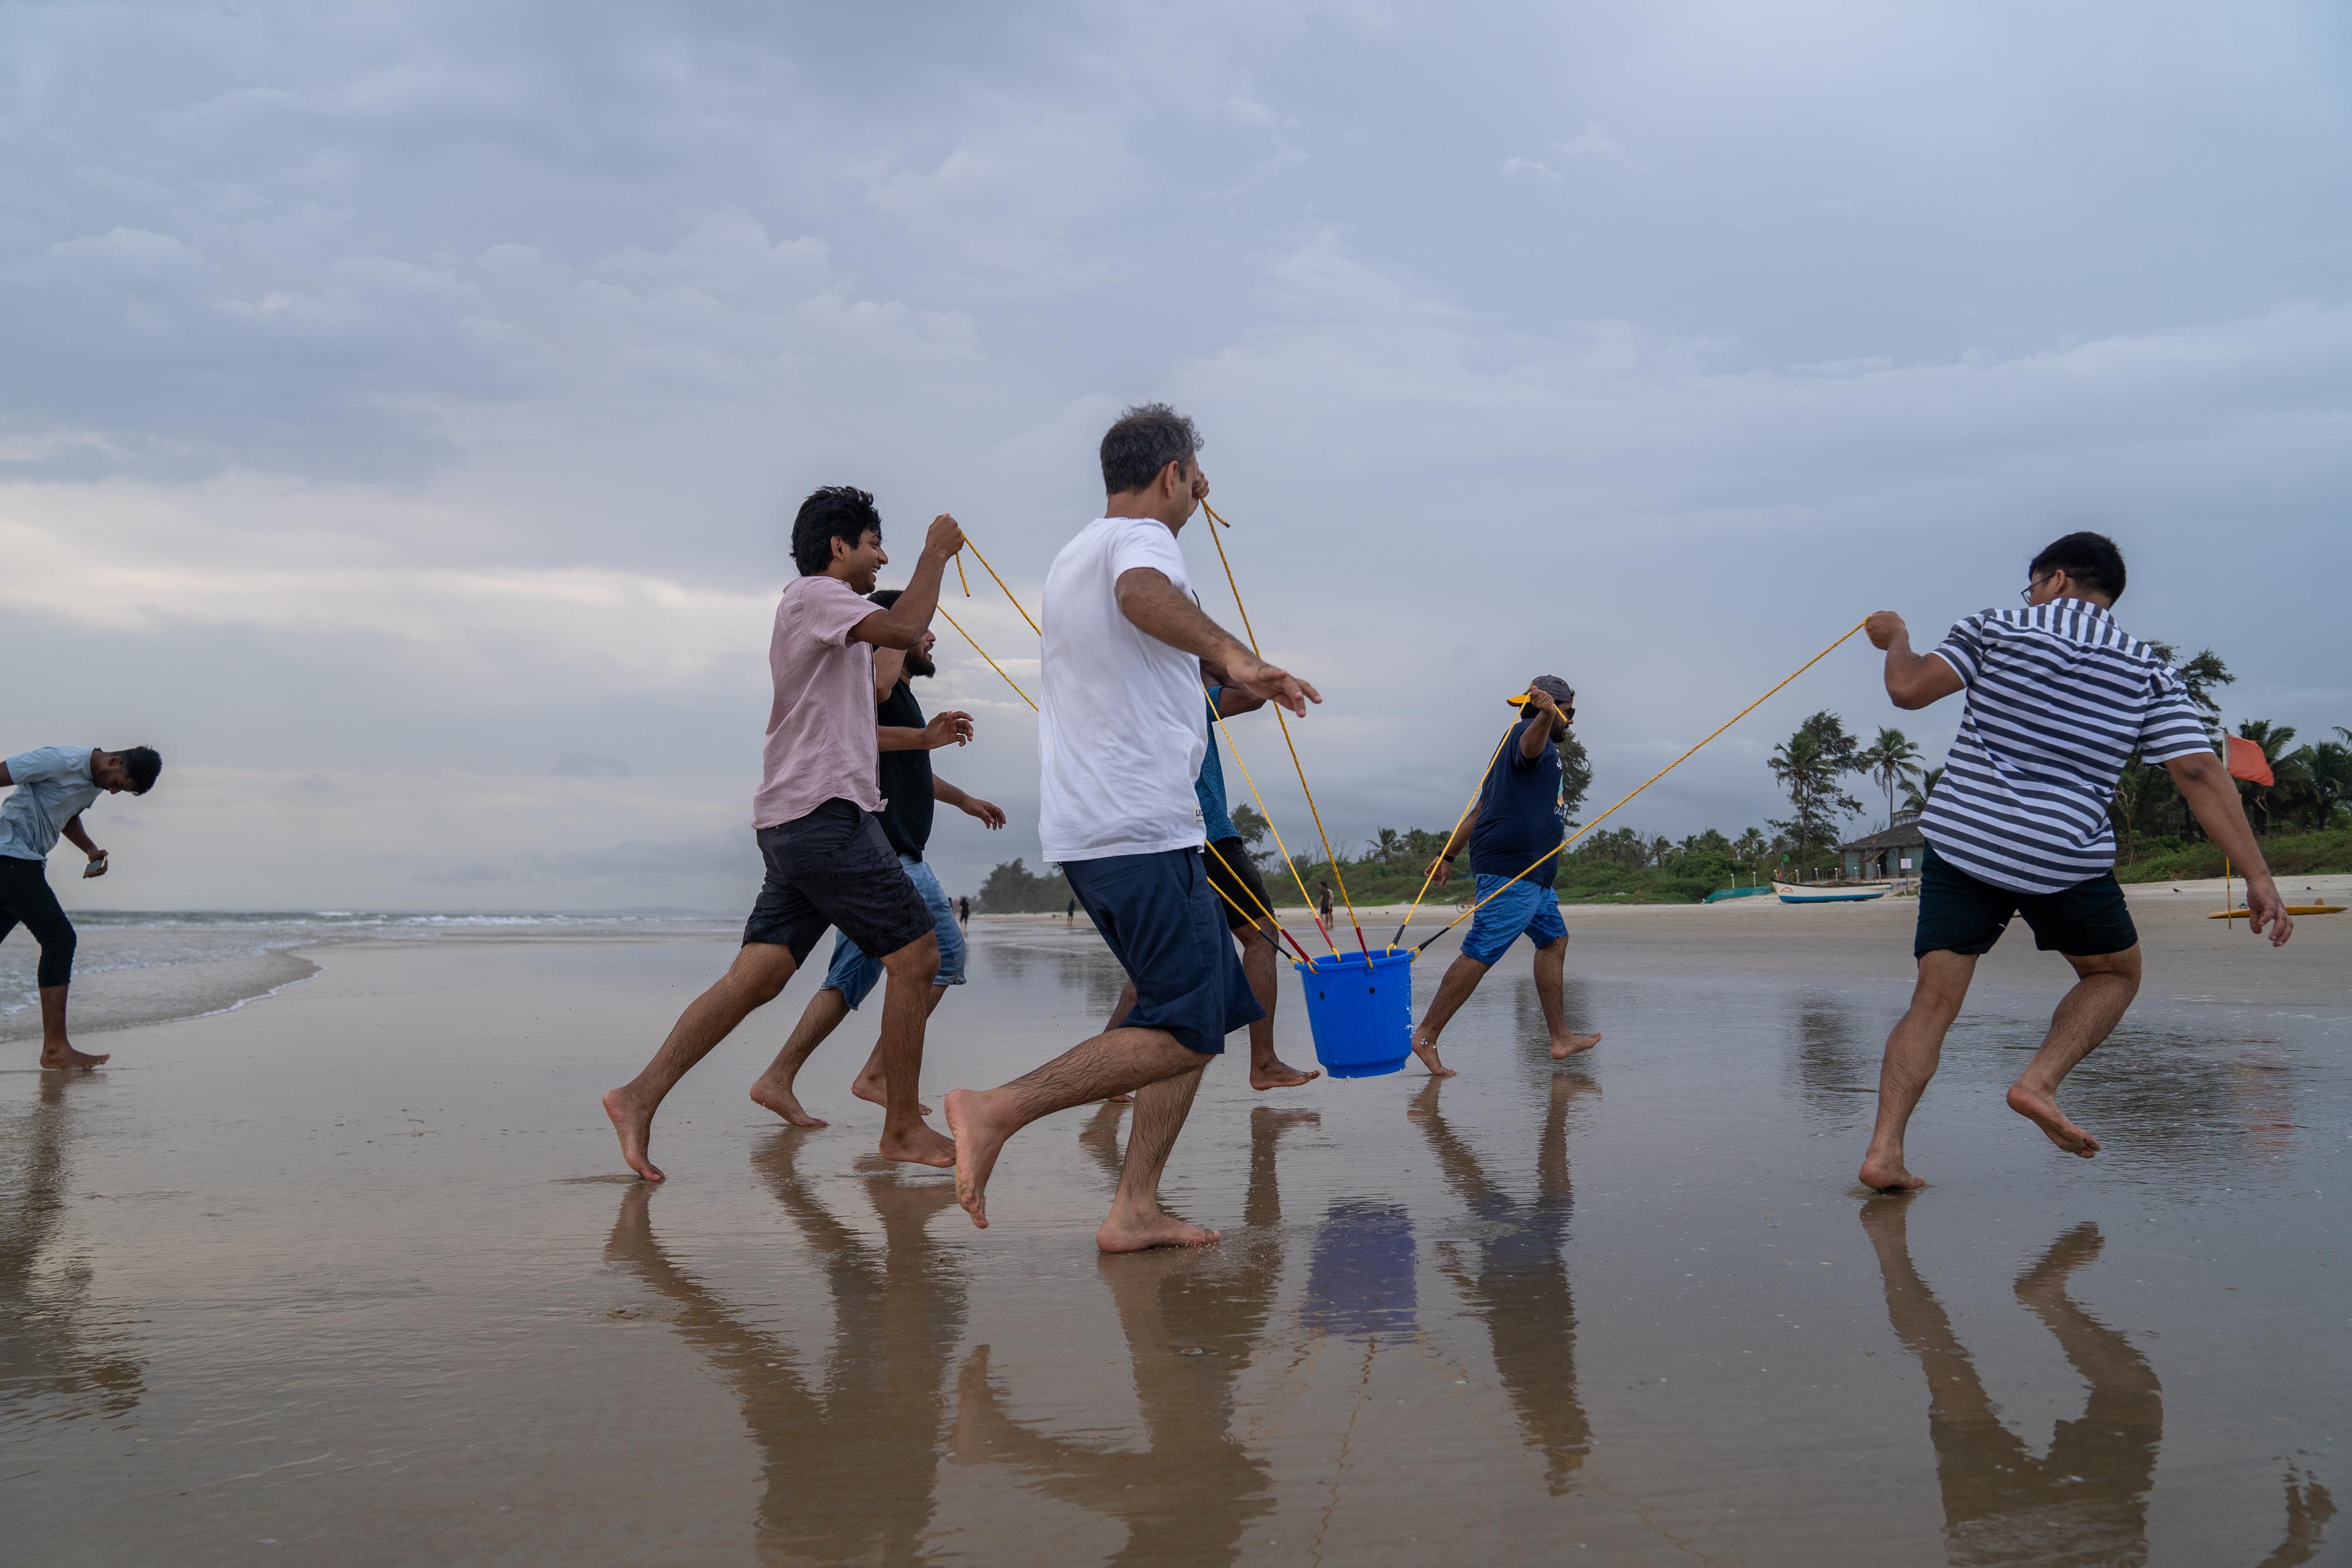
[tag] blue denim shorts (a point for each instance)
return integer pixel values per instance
(854, 975)
(1524, 909)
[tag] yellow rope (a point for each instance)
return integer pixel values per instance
(1328, 859)
(1645, 783)
(976, 555)
(961, 577)
(991, 663)
(1243, 883)
(1278, 844)
(1468, 806)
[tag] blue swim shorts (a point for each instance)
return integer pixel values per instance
(1523, 908)
(854, 975)
(1162, 921)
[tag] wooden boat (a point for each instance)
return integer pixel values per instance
(1722, 893)
(2240, 912)
(1834, 893)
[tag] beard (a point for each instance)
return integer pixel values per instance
(920, 665)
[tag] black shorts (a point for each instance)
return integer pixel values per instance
(1160, 920)
(1234, 874)
(1960, 913)
(834, 867)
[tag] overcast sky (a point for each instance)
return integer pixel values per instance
(403, 407)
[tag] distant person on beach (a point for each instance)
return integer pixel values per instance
(829, 862)
(2059, 698)
(909, 788)
(1120, 740)
(1242, 898)
(963, 906)
(1517, 824)
(1070, 914)
(53, 786)
(1323, 903)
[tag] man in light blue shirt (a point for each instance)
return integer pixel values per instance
(52, 787)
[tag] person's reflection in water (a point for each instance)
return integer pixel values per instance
(2087, 1501)
(850, 1461)
(1192, 1324)
(1519, 1287)
(45, 1341)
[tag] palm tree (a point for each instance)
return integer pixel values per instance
(2328, 773)
(1809, 770)
(1891, 759)
(1914, 799)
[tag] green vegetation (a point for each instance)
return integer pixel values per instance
(2304, 818)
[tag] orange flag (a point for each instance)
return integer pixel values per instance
(2247, 762)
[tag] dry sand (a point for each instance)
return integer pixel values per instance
(354, 1276)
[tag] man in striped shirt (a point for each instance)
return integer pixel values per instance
(2060, 697)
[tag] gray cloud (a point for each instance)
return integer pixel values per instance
(398, 397)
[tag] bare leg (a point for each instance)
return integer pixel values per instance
(981, 1120)
(1120, 1009)
(905, 1009)
(1137, 1222)
(57, 1052)
(871, 1084)
(2086, 1016)
(1912, 1052)
(756, 978)
(1550, 991)
(1462, 977)
(819, 1019)
(1262, 963)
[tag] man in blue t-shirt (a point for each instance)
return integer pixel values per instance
(1516, 826)
(51, 787)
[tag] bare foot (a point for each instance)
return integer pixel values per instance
(636, 1127)
(777, 1095)
(875, 1089)
(64, 1058)
(978, 1142)
(2042, 1112)
(919, 1146)
(1427, 1051)
(1142, 1233)
(1279, 1074)
(1567, 1046)
(1888, 1173)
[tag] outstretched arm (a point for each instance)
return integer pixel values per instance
(903, 623)
(1534, 737)
(1159, 608)
(1913, 680)
(948, 729)
(2205, 785)
(946, 793)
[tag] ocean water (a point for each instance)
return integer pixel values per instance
(132, 968)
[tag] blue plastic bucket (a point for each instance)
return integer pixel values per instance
(1362, 1013)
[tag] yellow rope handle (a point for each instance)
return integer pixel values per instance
(984, 567)
(991, 663)
(961, 577)
(1242, 883)
(1645, 783)
(1467, 807)
(1328, 859)
(1270, 827)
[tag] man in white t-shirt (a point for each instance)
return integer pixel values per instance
(1119, 738)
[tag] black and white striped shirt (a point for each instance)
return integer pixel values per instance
(2059, 697)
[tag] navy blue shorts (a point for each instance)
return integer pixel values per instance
(1960, 913)
(1163, 923)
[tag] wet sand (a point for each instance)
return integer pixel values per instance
(353, 1275)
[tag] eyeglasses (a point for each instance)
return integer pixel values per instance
(2026, 593)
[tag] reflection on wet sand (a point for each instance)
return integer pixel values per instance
(1519, 1286)
(850, 1461)
(47, 1346)
(2087, 1501)
(1193, 1323)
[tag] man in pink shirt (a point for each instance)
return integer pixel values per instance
(828, 862)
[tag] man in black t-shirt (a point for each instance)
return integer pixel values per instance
(909, 790)
(1517, 823)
